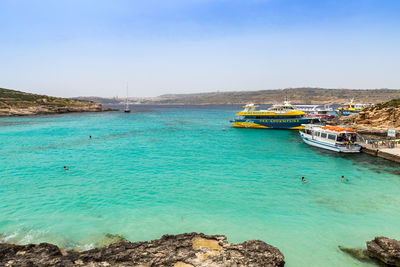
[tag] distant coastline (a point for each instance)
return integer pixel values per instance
(304, 95)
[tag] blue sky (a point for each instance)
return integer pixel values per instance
(93, 47)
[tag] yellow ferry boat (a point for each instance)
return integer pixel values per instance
(351, 108)
(281, 116)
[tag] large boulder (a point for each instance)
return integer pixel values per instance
(385, 249)
(184, 250)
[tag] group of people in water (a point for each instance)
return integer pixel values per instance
(341, 178)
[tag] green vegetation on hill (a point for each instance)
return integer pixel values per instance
(16, 103)
(394, 103)
(13, 98)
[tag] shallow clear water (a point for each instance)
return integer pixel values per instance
(173, 169)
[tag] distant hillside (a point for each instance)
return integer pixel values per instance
(295, 95)
(102, 100)
(17, 103)
(304, 95)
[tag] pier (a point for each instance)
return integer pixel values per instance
(389, 152)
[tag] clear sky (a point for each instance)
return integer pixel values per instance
(93, 47)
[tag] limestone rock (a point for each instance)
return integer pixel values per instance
(16, 103)
(384, 249)
(184, 250)
(374, 120)
(357, 253)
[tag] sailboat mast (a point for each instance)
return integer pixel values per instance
(126, 102)
(127, 110)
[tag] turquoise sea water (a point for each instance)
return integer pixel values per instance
(174, 169)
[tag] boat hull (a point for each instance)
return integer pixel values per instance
(347, 112)
(328, 146)
(291, 124)
(322, 117)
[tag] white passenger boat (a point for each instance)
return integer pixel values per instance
(332, 138)
(321, 112)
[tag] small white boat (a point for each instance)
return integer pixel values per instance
(332, 138)
(127, 110)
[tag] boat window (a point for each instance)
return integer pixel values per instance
(332, 136)
(317, 133)
(269, 117)
(323, 135)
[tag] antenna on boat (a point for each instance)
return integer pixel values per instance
(286, 102)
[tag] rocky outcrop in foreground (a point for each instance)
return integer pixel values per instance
(184, 250)
(382, 250)
(385, 250)
(16, 103)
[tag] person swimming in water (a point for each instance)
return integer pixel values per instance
(303, 179)
(65, 168)
(90, 137)
(343, 179)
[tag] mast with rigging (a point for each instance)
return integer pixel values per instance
(127, 110)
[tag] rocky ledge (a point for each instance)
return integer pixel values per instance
(16, 103)
(44, 110)
(385, 250)
(184, 250)
(381, 250)
(375, 120)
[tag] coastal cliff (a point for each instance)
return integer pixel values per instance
(16, 103)
(375, 120)
(184, 250)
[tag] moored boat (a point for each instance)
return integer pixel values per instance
(351, 108)
(281, 116)
(332, 138)
(321, 112)
(322, 115)
(127, 110)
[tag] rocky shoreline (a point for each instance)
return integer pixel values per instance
(381, 250)
(183, 250)
(374, 121)
(31, 111)
(17, 103)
